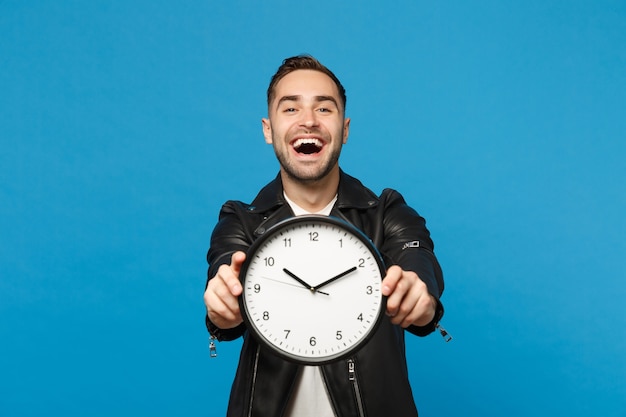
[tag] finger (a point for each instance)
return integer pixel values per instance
(404, 297)
(394, 273)
(230, 276)
(223, 317)
(409, 310)
(417, 307)
(397, 307)
(236, 261)
(425, 310)
(222, 306)
(394, 287)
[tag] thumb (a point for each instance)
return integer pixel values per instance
(237, 261)
(394, 273)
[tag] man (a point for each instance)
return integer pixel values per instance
(307, 128)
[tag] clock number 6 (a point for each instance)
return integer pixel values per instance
(312, 341)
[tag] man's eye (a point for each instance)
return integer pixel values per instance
(324, 110)
(289, 110)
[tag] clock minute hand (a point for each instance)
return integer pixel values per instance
(300, 280)
(335, 278)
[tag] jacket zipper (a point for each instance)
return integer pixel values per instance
(352, 377)
(253, 386)
(444, 333)
(212, 348)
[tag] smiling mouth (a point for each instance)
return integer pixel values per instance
(308, 146)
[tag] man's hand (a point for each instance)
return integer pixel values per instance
(221, 294)
(409, 301)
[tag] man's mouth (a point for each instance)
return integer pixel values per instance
(308, 146)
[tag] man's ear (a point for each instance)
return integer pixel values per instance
(346, 129)
(267, 130)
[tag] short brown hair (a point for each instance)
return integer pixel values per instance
(303, 62)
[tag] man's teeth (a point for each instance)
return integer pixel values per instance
(307, 141)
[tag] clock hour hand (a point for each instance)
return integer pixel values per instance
(335, 278)
(300, 280)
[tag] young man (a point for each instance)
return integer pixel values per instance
(307, 127)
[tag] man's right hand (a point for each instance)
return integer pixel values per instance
(221, 295)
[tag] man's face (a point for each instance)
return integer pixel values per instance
(306, 125)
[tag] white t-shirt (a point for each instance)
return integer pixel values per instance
(309, 398)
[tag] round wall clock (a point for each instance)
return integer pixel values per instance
(312, 289)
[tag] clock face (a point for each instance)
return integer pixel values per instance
(312, 289)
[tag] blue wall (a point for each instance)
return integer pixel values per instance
(125, 125)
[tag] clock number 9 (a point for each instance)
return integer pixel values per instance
(257, 288)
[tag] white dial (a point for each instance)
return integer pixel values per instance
(312, 289)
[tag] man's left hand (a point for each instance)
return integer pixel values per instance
(409, 301)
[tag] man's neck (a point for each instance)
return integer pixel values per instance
(312, 196)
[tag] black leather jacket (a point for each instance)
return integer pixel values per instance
(374, 382)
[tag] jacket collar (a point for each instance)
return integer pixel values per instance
(351, 194)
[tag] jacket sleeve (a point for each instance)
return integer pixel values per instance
(408, 244)
(228, 237)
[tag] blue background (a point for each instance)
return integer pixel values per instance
(124, 126)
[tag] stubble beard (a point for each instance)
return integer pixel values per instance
(307, 175)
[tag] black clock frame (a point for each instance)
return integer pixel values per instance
(269, 234)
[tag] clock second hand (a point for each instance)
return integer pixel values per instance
(302, 282)
(293, 285)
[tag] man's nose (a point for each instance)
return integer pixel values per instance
(309, 118)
